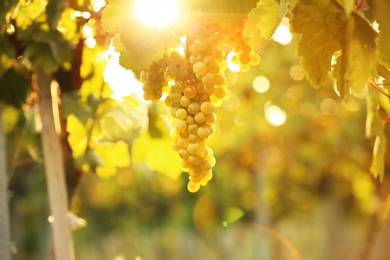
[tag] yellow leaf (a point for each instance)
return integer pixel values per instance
(77, 135)
(325, 29)
(113, 155)
(157, 154)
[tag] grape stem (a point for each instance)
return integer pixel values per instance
(359, 5)
(374, 85)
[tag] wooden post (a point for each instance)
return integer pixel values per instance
(5, 233)
(55, 173)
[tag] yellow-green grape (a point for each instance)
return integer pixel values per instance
(203, 132)
(198, 82)
(200, 68)
(255, 59)
(181, 113)
(193, 186)
(170, 72)
(206, 108)
(180, 126)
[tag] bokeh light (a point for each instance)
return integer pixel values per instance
(328, 107)
(296, 73)
(231, 65)
(261, 84)
(282, 34)
(275, 115)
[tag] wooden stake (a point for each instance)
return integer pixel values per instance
(55, 173)
(5, 234)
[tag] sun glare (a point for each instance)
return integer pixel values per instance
(122, 81)
(156, 12)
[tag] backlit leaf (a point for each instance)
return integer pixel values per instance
(326, 29)
(383, 8)
(225, 12)
(261, 23)
(77, 135)
(113, 155)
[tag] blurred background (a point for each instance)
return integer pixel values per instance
(291, 181)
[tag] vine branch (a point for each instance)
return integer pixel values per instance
(359, 5)
(374, 85)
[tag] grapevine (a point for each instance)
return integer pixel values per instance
(194, 84)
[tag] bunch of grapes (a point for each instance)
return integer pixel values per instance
(195, 83)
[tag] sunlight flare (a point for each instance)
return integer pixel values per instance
(156, 13)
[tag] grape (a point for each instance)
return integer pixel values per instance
(185, 101)
(181, 74)
(213, 67)
(193, 108)
(245, 58)
(200, 68)
(206, 108)
(208, 79)
(170, 72)
(203, 132)
(192, 148)
(181, 113)
(189, 92)
(183, 153)
(255, 59)
(199, 118)
(183, 142)
(180, 126)
(198, 81)
(219, 93)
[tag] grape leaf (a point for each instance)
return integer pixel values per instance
(151, 42)
(157, 152)
(225, 12)
(358, 54)
(5, 7)
(14, 88)
(53, 12)
(7, 54)
(114, 155)
(383, 8)
(325, 29)
(261, 24)
(115, 12)
(77, 135)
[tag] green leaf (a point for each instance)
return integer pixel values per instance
(53, 12)
(14, 88)
(41, 56)
(5, 7)
(59, 46)
(7, 54)
(261, 23)
(326, 29)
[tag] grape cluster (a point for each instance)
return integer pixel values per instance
(195, 84)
